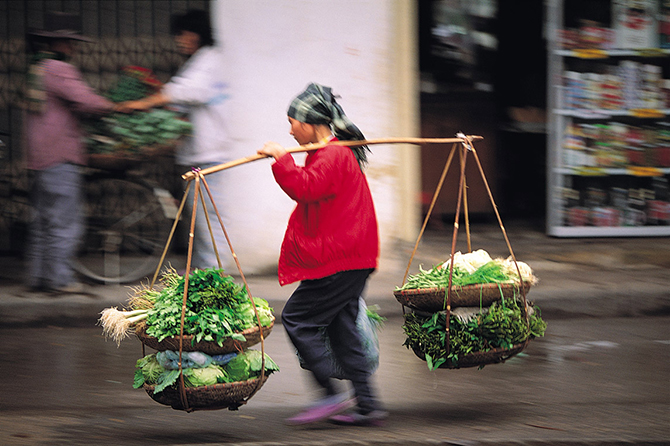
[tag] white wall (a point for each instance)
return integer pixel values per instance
(273, 49)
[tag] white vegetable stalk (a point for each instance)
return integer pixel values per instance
(117, 324)
(526, 271)
(468, 262)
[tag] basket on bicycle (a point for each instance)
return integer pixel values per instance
(119, 140)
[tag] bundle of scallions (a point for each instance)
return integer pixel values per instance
(469, 269)
(118, 324)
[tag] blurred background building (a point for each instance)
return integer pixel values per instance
(429, 68)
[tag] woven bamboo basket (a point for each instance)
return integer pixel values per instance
(112, 161)
(480, 359)
(252, 335)
(434, 299)
(125, 159)
(215, 397)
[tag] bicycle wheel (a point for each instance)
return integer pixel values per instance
(127, 226)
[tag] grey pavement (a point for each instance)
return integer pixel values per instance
(594, 277)
(595, 382)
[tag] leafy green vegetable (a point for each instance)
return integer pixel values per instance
(469, 269)
(244, 366)
(207, 376)
(490, 272)
(166, 379)
(150, 367)
(247, 365)
(149, 371)
(129, 133)
(376, 319)
(502, 325)
(438, 277)
(216, 309)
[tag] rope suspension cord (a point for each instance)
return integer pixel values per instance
(171, 235)
(466, 215)
(199, 178)
(502, 228)
(182, 387)
(461, 184)
(244, 280)
(430, 209)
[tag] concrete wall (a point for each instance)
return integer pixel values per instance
(365, 51)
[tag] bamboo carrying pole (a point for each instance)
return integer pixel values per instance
(307, 147)
(198, 175)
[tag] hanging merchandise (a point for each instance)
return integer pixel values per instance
(202, 321)
(496, 333)
(470, 310)
(219, 317)
(222, 383)
(477, 279)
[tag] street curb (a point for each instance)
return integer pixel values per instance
(437, 442)
(577, 279)
(570, 300)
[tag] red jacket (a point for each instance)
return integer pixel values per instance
(333, 227)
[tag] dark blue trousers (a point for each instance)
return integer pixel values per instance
(331, 303)
(56, 227)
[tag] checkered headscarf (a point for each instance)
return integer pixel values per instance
(317, 105)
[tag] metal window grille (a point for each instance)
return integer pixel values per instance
(126, 32)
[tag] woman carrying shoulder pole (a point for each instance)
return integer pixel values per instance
(331, 245)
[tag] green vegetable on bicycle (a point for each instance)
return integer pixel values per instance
(125, 134)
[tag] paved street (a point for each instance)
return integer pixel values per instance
(588, 381)
(598, 377)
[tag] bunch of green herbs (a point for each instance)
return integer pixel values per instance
(216, 308)
(502, 325)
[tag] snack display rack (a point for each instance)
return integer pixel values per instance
(608, 168)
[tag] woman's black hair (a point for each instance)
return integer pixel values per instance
(196, 21)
